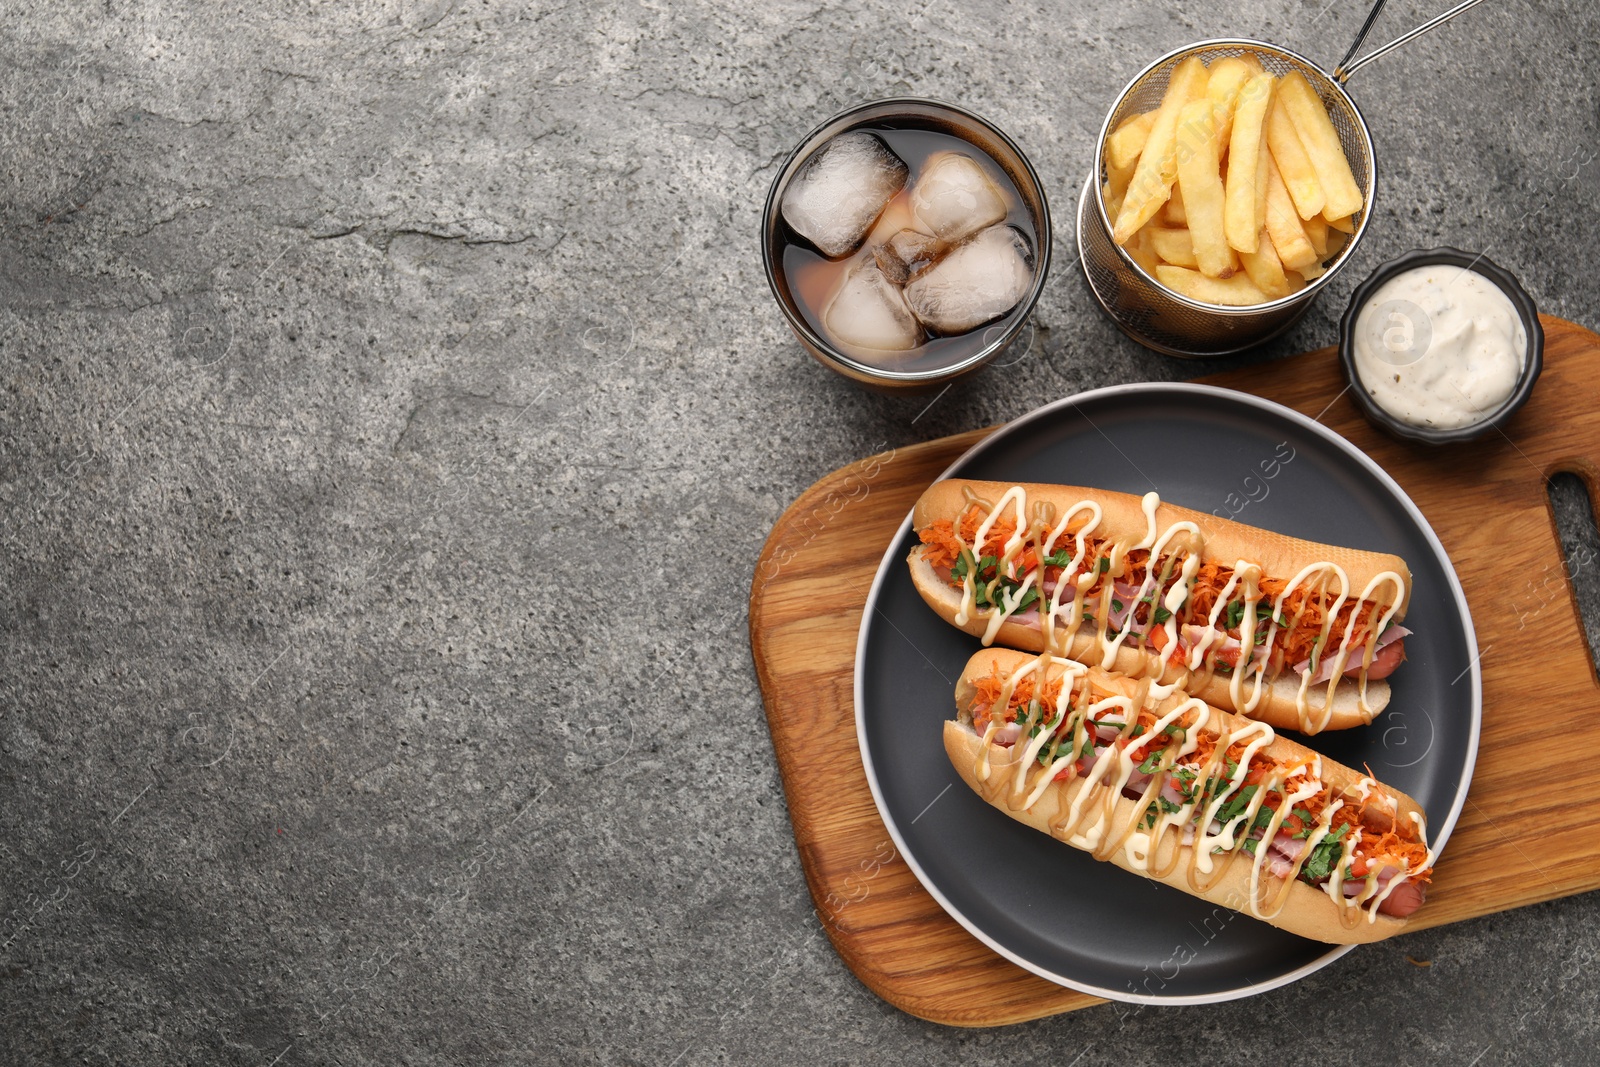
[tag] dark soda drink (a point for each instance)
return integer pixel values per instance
(906, 247)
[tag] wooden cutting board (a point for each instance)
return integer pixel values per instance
(1489, 505)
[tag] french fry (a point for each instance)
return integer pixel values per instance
(1173, 246)
(1237, 291)
(1316, 228)
(1173, 214)
(1293, 164)
(1346, 224)
(1158, 166)
(1265, 269)
(1321, 143)
(1228, 77)
(1240, 221)
(1123, 146)
(1116, 189)
(1263, 164)
(1119, 177)
(1143, 251)
(1200, 179)
(1283, 224)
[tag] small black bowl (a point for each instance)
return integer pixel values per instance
(1478, 264)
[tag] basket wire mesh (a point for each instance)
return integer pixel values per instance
(1170, 322)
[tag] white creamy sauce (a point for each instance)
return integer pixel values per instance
(1439, 347)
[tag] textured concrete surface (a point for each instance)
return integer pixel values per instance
(391, 411)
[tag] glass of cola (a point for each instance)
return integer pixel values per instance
(906, 242)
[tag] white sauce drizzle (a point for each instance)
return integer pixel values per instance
(1181, 587)
(1309, 789)
(1224, 838)
(1149, 502)
(1070, 574)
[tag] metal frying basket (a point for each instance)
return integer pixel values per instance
(1169, 322)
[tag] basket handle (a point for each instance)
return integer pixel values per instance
(1342, 72)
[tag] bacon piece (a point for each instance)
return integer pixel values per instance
(1007, 734)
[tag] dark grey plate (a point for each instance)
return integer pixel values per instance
(1051, 908)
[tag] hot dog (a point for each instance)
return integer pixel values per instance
(1162, 784)
(1291, 632)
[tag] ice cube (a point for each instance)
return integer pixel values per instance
(869, 312)
(978, 280)
(954, 197)
(906, 254)
(834, 198)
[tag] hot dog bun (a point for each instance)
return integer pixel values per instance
(1307, 910)
(1277, 708)
(1225, 541)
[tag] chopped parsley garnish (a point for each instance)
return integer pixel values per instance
(1319, 865)
(1233, 616)
(991, 592)
(1236, 805)
(1166, 807)
(1105, 565)
(963, 565)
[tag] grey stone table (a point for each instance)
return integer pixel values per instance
(391, 411)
